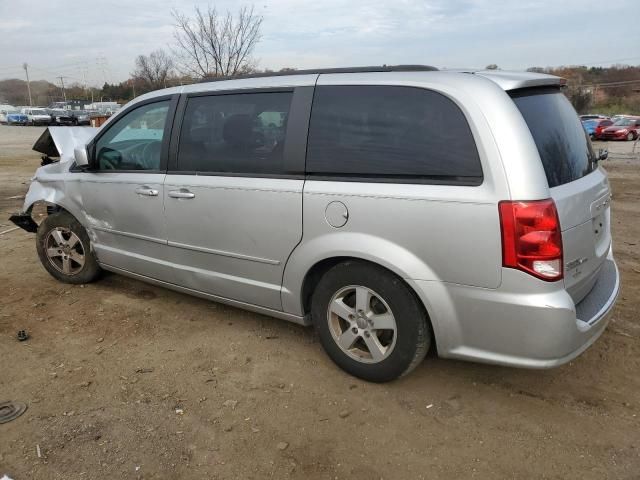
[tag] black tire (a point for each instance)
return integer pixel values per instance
(413, 331)
(67, 224)
(630, 137)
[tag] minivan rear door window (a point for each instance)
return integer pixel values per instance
(390, 133)
(562, 142)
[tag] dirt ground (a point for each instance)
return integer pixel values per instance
(125, 380)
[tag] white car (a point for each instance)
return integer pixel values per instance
(37, 116)
(4, 109)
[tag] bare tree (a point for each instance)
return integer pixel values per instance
(154, 69)
(214, 44)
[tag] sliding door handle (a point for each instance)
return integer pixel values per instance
(182, 193)
(149, 192)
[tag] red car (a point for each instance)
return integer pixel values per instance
(626, 128)
(599, 126)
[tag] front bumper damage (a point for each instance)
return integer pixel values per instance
(57, 145)
(24, 221)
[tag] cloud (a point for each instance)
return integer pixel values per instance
(100, 40)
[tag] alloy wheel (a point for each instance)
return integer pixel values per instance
(65, 251)
(362, 324)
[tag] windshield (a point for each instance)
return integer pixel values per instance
(590, 123)
(38, 112)
(563, 145)
(623, 122)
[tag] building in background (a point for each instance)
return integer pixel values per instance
(70, 105)
(106, 107)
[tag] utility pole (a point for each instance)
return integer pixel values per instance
(26, 70)
(84, 78)
(64, 95)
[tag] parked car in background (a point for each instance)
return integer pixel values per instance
(621, 115)
(593, 116)
(624, 128)
(594, 127)
(37, 116)
(4, 109)
(61, 117)
(81, 117)
(16, 118)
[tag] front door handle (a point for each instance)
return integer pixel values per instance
(149, 192)
(182, 193)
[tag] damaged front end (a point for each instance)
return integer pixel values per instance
(48, 185)
(24, 221)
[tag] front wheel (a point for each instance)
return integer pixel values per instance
(65, 250)
(369, 322)
(630, 136)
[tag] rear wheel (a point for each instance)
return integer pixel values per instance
(65, 250)
(369, 322)
(630, 137)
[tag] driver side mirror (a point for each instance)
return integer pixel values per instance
(81, 156)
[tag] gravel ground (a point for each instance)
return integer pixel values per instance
(126, 380)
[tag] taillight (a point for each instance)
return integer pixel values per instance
(531, 238)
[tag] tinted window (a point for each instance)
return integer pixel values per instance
(134, 141)
(562, 143)
(234, 133)
(390, 132)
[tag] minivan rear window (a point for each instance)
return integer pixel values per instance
(562, 142)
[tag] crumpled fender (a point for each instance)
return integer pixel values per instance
(51, 183)
(62, 141)
(53, 192)
(50, 192)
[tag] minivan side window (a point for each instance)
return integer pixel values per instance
(134, 141)
(390, 133)
(234, 133)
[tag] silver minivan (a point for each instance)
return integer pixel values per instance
(396, 209)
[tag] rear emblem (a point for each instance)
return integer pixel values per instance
(575, 263)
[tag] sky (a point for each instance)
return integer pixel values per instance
(98, 41)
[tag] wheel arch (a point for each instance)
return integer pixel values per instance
(315, 273)
(54, 196)
(310, 260)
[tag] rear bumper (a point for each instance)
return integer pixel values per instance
(508, 326)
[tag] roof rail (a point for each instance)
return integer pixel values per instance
(380, 68)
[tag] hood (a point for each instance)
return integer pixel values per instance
(615, 128)
(62, 141)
